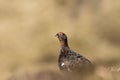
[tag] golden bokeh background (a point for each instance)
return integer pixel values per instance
(27, 29)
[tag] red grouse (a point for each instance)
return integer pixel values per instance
(70, 61)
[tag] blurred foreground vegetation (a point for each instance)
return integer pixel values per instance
(27, 29)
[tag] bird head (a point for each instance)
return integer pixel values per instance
(61, 35)
(62, 39)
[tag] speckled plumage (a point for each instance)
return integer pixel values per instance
(70, 61)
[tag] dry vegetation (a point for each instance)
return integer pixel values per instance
(28, 46)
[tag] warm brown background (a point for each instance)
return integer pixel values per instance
(27, 29)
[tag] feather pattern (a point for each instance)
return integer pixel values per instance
(70, 61)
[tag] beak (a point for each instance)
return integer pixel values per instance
(56, 35)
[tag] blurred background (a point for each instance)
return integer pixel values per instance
(27, 29)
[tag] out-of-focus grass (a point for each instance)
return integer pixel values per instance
(27, 30)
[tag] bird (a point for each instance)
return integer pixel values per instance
(69, 60)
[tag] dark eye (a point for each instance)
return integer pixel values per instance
(63, 34)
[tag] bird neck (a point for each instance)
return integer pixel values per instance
(63, 43)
